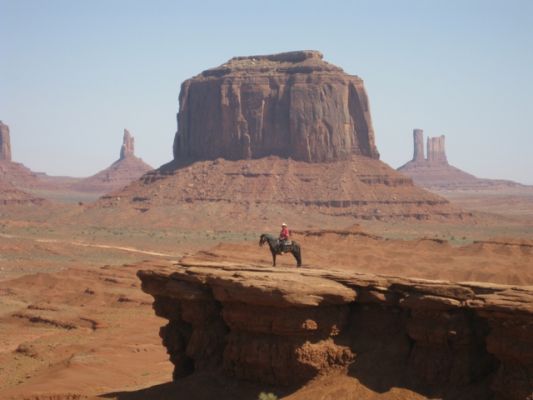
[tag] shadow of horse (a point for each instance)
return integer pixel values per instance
(276, 248)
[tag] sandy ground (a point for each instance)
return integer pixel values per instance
(75, 324)
(89, 330)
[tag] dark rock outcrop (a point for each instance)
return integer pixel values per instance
(289, 105)
(5, 143)
(284, 326)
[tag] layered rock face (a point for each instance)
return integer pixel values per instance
(361, 188)
(10, 195)
(119, 174)
(284, 326)
(434, 171)
(289, 105)
(5, 143)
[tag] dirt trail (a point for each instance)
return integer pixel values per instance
(95, 245)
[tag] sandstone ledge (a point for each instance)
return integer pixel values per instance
(286, 326)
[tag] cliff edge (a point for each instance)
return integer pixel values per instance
(285, 326)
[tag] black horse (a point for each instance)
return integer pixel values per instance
(277, 248)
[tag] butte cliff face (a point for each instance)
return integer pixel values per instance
(119, 174)
(284, 327)
(5, 143)
(289, 105)
(434, 171)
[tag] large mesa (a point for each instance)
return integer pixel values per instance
(291, 104)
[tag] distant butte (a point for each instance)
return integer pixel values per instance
(272, 134)
(434, 171)
(12, 172)
(119, 174)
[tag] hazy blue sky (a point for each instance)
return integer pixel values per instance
(73, 74)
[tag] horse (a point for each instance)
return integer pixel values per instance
(277, 248)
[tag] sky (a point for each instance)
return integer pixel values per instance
(74, 74)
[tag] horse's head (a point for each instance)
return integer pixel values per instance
(262, 239)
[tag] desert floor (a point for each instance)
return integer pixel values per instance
(75, 324)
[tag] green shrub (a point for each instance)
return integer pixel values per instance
(267, 396)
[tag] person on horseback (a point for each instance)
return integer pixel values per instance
(284, 237)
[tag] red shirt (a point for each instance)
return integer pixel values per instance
(284, 234)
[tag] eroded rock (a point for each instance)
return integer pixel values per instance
(284, 326)
(289, 105)
(5, 143)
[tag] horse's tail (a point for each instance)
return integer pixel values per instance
(297, 252)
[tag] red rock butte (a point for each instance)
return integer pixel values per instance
(435, 172)
(288, 105)
(287, 130)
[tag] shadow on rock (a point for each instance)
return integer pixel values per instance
(200, 387)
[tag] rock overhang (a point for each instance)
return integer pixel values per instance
(286, 326)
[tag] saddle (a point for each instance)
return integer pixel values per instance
(284, 245)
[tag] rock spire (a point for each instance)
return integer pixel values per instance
(434, 171)
(418, 137)
(5, 144)
(128, 145)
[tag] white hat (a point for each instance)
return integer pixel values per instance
(284, 224)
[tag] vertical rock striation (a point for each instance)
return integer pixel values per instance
(436, 150)
(290, 105)
(128, 145)
(5, 144)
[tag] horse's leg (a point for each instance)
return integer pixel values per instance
(297, 255)
(273, 258)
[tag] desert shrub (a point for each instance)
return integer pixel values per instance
(267, 396)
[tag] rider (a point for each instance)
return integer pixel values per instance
(284, 235)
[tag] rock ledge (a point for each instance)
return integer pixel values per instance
(285, 326)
